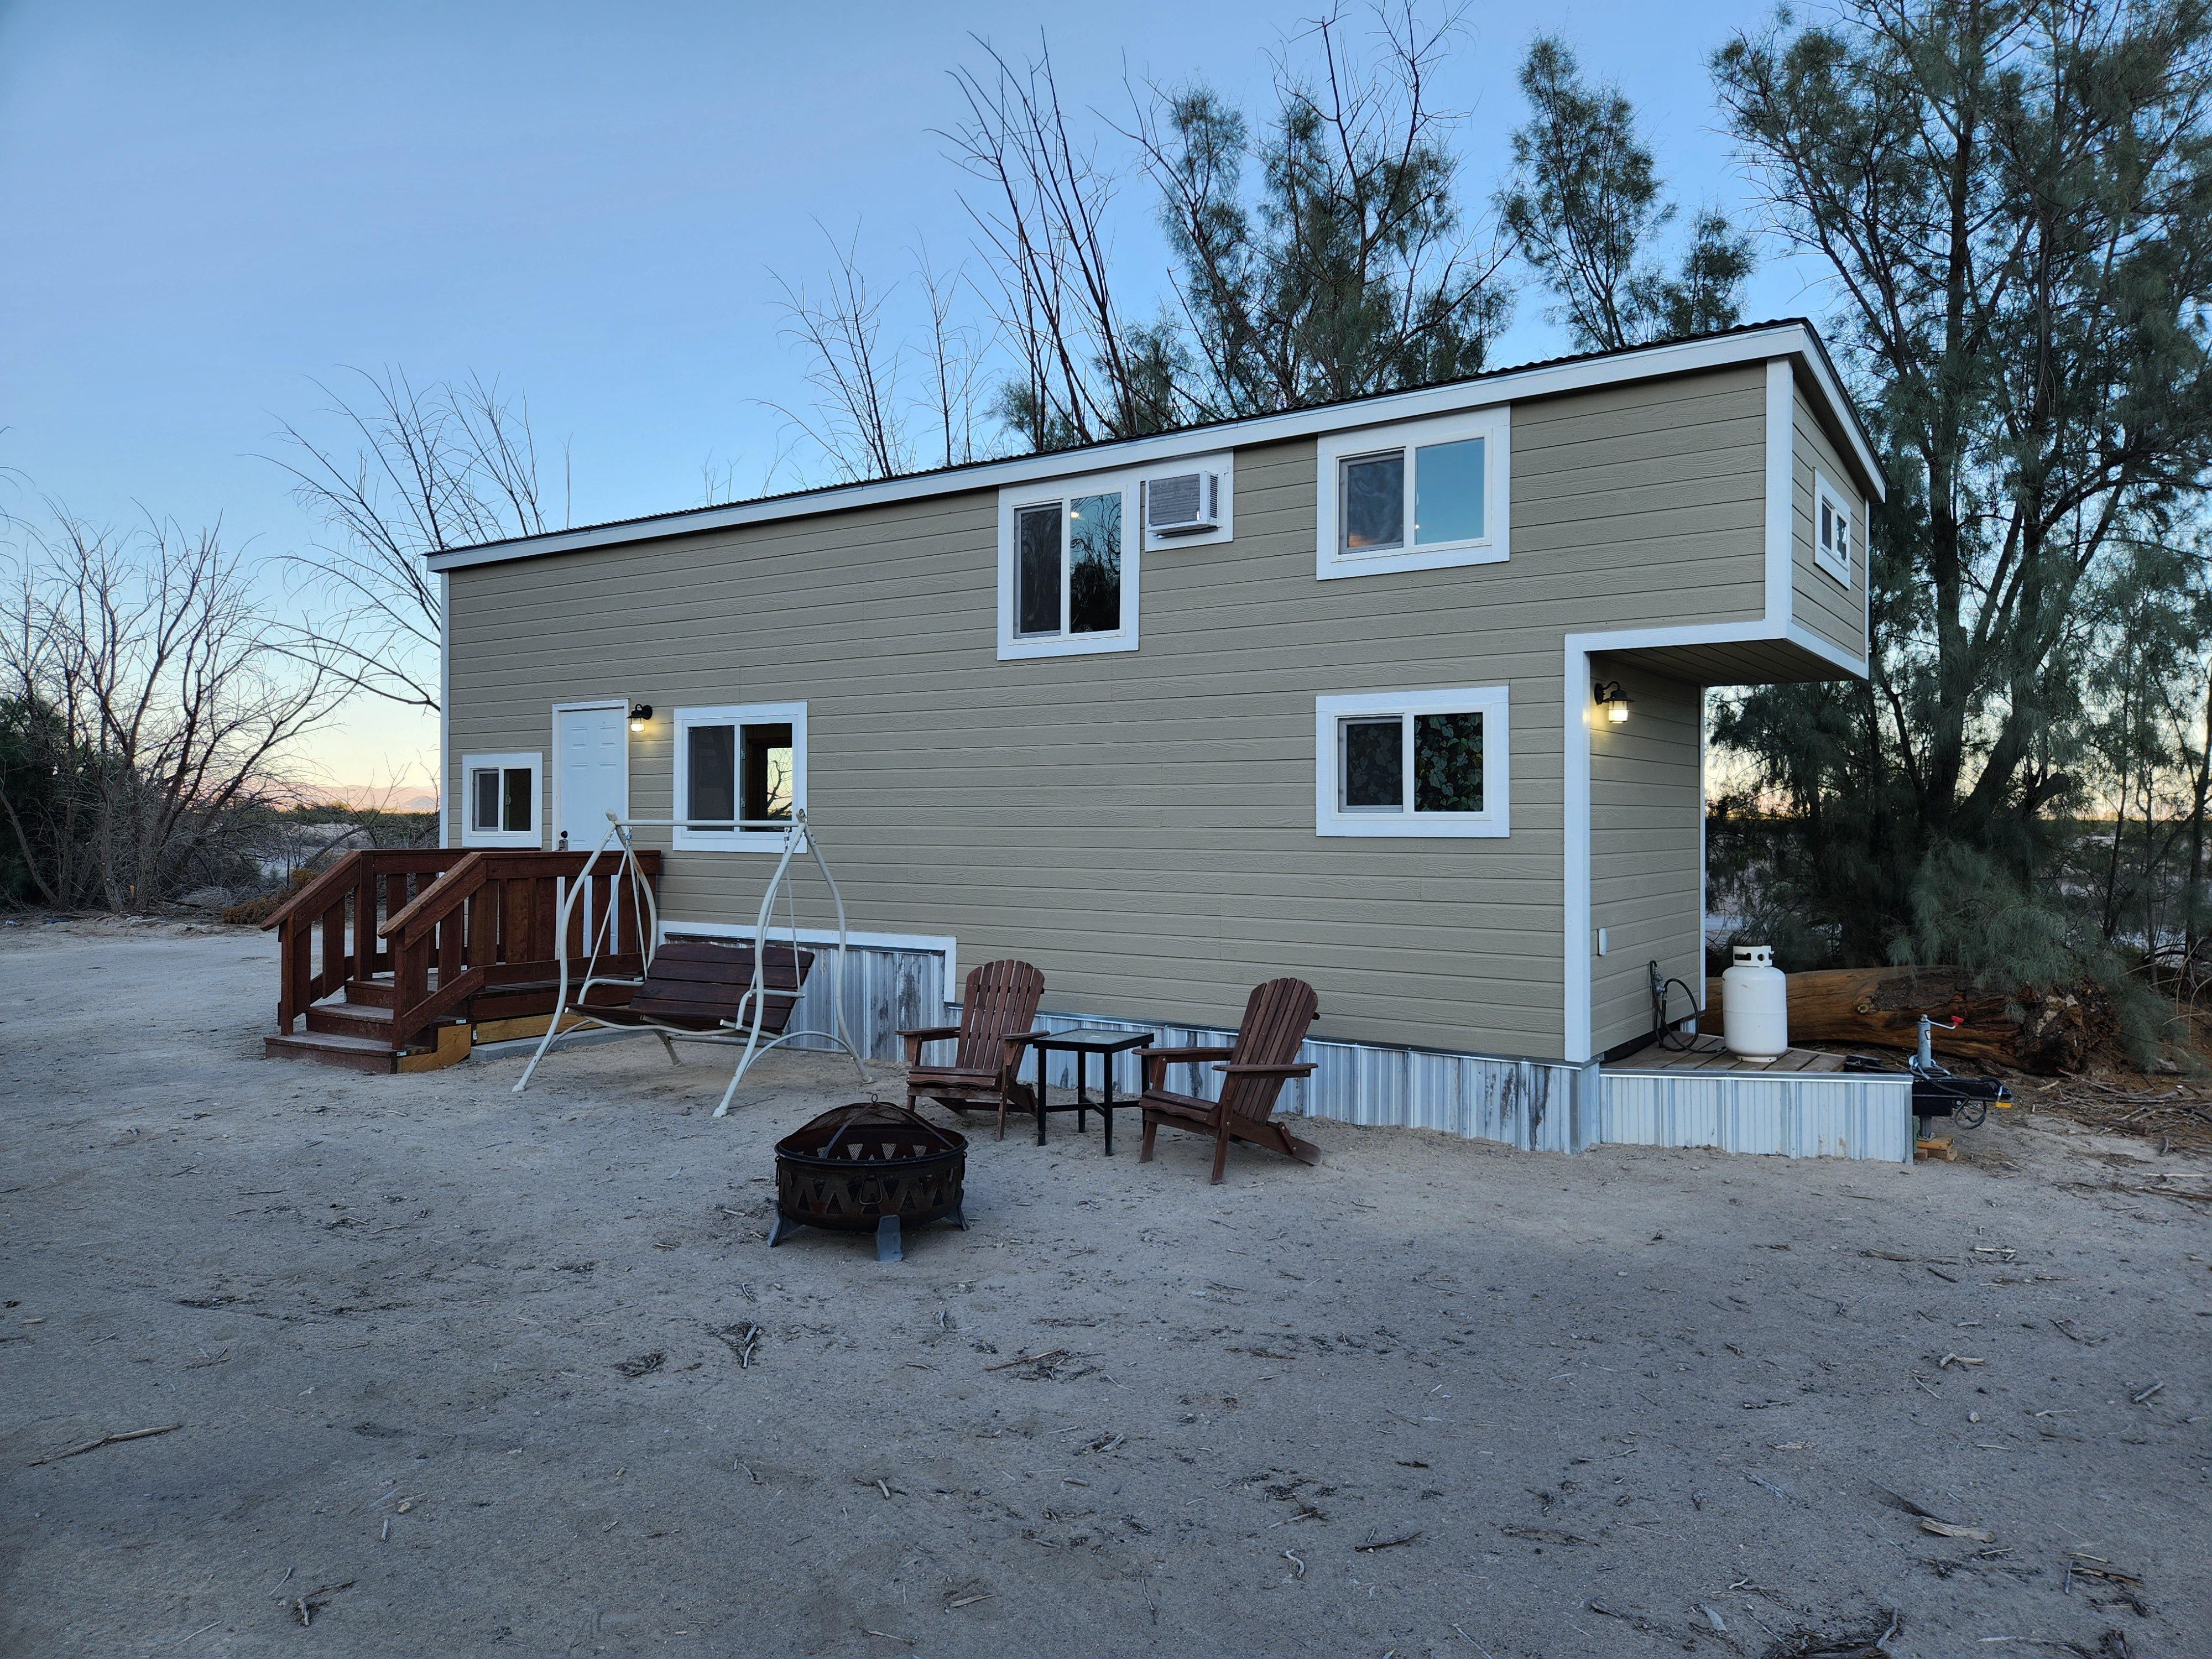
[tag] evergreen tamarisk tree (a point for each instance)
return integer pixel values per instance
(1584, 209)
(2013, 203)
(1324, 255)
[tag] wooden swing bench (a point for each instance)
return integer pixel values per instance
(697, 991)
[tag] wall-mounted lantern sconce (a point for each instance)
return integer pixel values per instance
(639, 713)
(1613, 700)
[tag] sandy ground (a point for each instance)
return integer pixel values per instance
(1433, 1397)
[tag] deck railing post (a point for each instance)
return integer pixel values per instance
(287, 971)
(364, 919)
(410, 973)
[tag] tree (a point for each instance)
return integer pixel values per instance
(2015, 206)
(148, 707)
(857, 423)
(861, 422)
(451, 465)
(1086, 370)
(1584, 209)
(1347, 270)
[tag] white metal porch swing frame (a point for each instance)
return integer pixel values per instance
(798, 837)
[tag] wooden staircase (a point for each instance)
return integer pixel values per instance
(353, 1029)
(459, 944)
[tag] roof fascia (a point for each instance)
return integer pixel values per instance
(1787, 339)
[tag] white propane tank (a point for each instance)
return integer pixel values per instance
(1755, 1005)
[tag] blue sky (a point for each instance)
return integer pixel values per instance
(207, 208)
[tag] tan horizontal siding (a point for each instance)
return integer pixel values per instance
(1820, 602)
(1140, 824)
(1646, 797)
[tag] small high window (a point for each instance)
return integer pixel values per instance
(1411, 763)
(500, 796)
(1416, 497)
(1831, 530)
(741, 771)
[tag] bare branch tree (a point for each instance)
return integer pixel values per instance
(451, 465)
(156, 710)
(953, 355)
(858, 422)
(1086, 372)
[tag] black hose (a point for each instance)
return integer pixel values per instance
(1659, 1000)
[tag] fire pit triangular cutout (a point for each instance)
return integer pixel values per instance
(871, 1166)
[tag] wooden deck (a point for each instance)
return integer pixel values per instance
(1706, 1053)
(398, 961)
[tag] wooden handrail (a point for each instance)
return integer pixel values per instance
(492, 920)
(437, 900)
(356, 885)
(481, 922)
(457, 885)
(318, 892)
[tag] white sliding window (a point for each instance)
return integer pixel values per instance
(740, 772)
(1432, 764)
(1426, 496)
(1067, 570)
(500, 797)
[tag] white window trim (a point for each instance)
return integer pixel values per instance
(1494, 426)
(1493, 822)
(472, 837)
(1013, 646)
(1223, 465)
(1823, 490)
(737, 713)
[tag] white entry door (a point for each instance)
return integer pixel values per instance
(591, 757)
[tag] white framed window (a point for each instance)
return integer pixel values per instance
(1067, 568)
(1424, 496)
(501, 798)
(1832, 529)
(740, 772)
(1413, 764)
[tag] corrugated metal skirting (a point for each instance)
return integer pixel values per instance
(1825, 1115)
(1532, 1104)
(1535, 1105)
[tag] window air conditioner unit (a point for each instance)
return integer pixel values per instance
(1183, 504)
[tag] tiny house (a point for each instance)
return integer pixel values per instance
(1403, 695)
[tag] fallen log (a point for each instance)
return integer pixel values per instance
(2043, 1032)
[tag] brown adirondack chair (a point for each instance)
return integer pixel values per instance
(1275, 1021)
(997, 1009)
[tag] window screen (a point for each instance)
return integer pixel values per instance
(484, 795)
(1036, 532)
(1374, 502)
(1373, 765)
(711, 775)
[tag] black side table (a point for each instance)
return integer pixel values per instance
(1107, 1044)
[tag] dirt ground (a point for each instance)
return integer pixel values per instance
(456, 1370)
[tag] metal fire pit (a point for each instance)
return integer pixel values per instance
(871, 1166)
